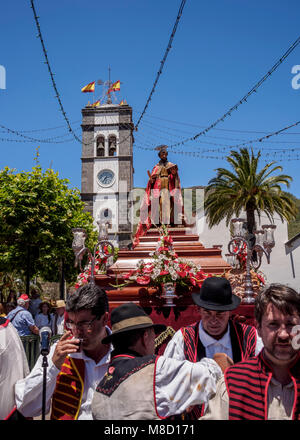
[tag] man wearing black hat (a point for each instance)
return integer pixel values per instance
(139, 385)
(215, 332)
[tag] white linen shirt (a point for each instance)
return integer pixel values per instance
(60, 324)
(13, 366)
(212, 345)
(179, 385)
(175, 348)
(28, 391)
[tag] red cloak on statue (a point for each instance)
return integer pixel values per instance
(155, 208)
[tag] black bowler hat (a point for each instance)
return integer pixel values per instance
(216, 294)
(128, 317)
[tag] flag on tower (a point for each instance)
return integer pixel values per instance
(89, 88)
(115, 87)
(96, 104)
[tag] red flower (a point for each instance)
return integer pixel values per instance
(261, 279)
(143, 279)
(167, 240)
(162, 249)
(148, 269)
(129, 274)
(164, 272)
(201, 275)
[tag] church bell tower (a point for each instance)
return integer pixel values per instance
(107, 167)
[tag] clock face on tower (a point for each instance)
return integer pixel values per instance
(106, 177)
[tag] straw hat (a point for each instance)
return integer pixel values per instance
(129, 317)
(59, 303)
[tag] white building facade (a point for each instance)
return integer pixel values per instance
(284, 264)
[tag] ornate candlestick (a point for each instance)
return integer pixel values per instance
(243, 240)
(103, 246)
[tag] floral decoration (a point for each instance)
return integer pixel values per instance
(241, 252)
(165, 267)
(258, 277)
(236, 277)
(100, 267)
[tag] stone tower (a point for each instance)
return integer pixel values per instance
(107, 167)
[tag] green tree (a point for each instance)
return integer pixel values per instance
(245, 188)
(294, 226)
(37, 213)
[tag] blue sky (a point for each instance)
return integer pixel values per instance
(220, 50)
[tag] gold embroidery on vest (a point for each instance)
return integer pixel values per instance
(75, 398)
(82, 386)
(66, 403)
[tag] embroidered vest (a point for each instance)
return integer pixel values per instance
(127, 390)
(247, 385)
(66, 399)
(243, 343)
(3, 321)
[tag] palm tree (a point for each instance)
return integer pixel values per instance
(245, 188)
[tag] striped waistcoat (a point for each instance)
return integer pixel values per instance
(243, 343)
(247, 386)
(67, 396)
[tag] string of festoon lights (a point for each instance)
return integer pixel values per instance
(57, 95)
(231, 130)
(220, 146)
(287, 153)
(224, 148)
(162, 62)
(131, 127)
(222, 155)
(32, 139)
(244, 98)
(170, 131)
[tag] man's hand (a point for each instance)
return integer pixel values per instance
(34, 329)
(64, 347)
(153, 178)
(223, 360)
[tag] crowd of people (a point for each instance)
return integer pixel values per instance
(29, 314)
(104, 367)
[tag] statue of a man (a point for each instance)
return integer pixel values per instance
(162, 202)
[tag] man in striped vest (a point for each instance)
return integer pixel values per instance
(215, 332)
(76, 363)
(266, 387)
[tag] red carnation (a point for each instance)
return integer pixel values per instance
(162, 249)
(164, 272)
(145, 279)
(129, 274)
(182, 274)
